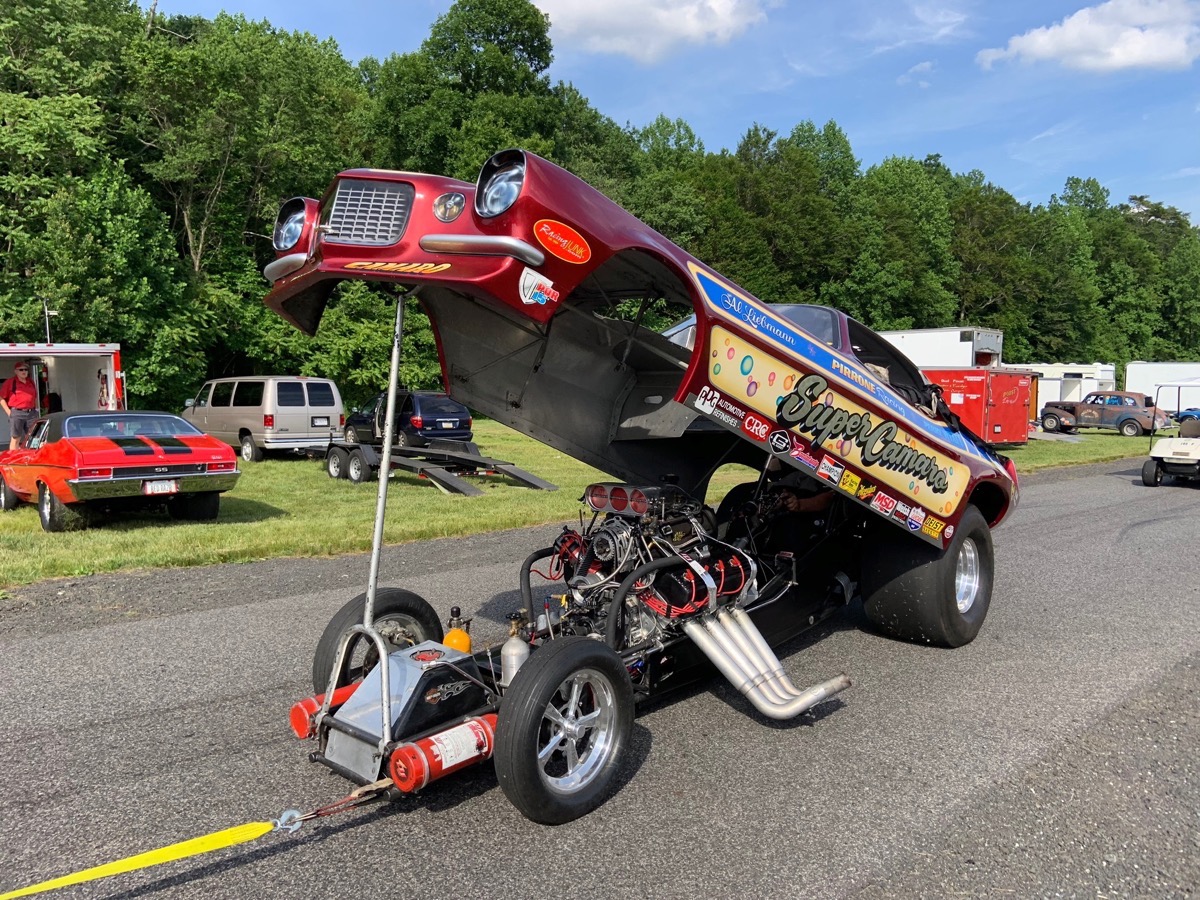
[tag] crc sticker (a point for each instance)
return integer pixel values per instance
(830, 471)
(404, 268)
(755, 427)
(427, 655)
(850, 482)
(780, 442)
(933, 527)
(883, 503)
(562, 241)
(537, 288)
(916, 519)
(866, 491)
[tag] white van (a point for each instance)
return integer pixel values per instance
(262, 413)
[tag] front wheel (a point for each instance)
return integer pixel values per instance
(920, 593)
(1050, 423)
(8, 497)
(351, 434)
(402, 617)
(564, 723)
(1130, 428)
(1151, 473)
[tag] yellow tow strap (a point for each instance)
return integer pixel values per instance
(230, 837)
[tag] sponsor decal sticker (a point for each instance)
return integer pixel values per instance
(850, 482)
(562, 241)
(706, 400)
(536, 288)
(883, 503)
(403, 268)
(900, 513)
(830, 471)
(916, 519)
(933, 527)
(800, 451)
(755, 427)
(780, 442)
(866, 491)
(949, 532)
(427, 655)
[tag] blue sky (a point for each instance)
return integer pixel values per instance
(1029, 92)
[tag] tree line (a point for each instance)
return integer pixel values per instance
(143, 159)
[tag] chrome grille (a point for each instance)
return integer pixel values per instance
(368, 212)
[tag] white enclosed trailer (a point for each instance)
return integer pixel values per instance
(1180, 389)
(67, 376)
(955, 348)
(1073, 381)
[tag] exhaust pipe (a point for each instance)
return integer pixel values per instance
(734, 644)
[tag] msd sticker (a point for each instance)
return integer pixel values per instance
(916, 519)
(830, 471)
(536, 288)
(883, 503)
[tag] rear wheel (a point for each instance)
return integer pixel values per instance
(920, 593)
(201, 507)
(401, 617)
(56, 515)
(564, 723)
(1152, 473)
(1050, 423)
(357, 469)
(251, 452)
(402, 439)
(337, 463)
(1130, 428)
(8, 497)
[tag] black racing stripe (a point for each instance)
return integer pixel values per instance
(169, 444)
(133, 446)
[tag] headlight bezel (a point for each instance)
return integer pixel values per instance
(293, 224)
(501, 182)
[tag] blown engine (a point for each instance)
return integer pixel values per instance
(644, 565)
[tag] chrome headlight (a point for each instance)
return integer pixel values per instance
(289, 224)
(500, 183)
(449, 207)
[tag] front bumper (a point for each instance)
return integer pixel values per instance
(113, 488)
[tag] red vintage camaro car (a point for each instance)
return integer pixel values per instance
(78, 465)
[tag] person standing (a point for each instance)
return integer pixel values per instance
(18, 397)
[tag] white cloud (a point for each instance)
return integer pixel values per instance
(916, 75)
(1119, 34)
(648, 30)
(924, 24)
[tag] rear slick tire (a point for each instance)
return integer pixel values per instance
(564, 724)
(920, 593)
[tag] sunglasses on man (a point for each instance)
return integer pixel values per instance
(21, 370)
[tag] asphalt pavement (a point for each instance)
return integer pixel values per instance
(1056, 756)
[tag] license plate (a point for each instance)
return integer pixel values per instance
(151, 488)
(449, 424)
(320, 421)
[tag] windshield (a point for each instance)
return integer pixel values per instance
(125, 425)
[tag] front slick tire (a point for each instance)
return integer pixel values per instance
(564, 723)
(920, 593)
(393, 607)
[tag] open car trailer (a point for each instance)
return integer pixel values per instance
(537, 287)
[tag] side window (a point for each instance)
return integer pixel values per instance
(1114, 401)
(289, 393)
(38, 436)
(202, 397)
(320, 393)
(248, 393)
(1129, 401)
(222, 394)
(406, 408)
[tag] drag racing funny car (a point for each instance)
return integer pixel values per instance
(538, 289)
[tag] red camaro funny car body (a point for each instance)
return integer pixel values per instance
(78, 465)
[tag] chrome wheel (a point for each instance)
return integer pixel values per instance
(967, 576)
(577, 735)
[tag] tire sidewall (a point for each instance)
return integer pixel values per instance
(519, 724)
(1151, 473)
(965, 626)
(1050, 423)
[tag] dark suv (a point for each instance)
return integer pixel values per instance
(420, 417)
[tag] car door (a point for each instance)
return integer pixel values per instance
(291, 409)
(197, 413)
(1113, 412)
(218, 418)
(1090, 411)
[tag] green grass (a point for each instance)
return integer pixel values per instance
(290, 507)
